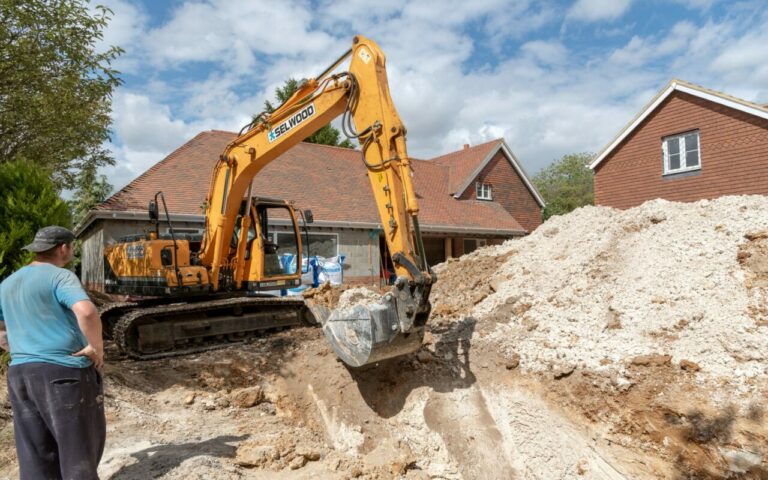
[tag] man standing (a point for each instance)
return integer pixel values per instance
(54, 336)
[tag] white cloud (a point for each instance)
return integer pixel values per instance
(125, 29)
(542, 113)
(546, 96)
(746, 53)
(720, 55)
(518, 19)
(400, 13)
(126, 22)
(234, 32)
(546, 52)
(144, 125)
(130, 163)
(641, 50)
(697, 4)
(597, 10)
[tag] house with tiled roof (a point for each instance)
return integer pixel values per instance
(688, 143)
(476, 196)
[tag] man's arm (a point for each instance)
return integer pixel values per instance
(89, 321)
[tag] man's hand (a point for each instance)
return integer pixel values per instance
(94, 355)
(90, 324)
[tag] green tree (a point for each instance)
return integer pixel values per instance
(55, 86)
(328, 135)
(566, 185)
(92, 189)
(28, 201)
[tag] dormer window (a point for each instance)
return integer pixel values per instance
(681, 153)
(483, 191)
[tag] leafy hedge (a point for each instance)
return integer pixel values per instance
(28, 201)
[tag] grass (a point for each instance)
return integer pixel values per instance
(7, 446)
(5, 359)
(7, 443)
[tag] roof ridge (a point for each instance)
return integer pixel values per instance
(474, 147)
(719, 93)
(429, 162)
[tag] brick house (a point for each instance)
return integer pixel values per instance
(687, 144)
(479, 195)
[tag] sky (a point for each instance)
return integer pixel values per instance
(550, 77)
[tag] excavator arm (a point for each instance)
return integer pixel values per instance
(365, 333)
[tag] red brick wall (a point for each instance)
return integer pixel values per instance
(733, 153)
(508, 189)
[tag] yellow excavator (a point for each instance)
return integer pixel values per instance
(203, 293)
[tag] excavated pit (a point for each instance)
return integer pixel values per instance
(606, 345)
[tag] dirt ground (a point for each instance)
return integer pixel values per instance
(473, 403)
(284, 407)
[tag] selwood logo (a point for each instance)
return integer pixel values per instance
(292, 122)
(134, 252)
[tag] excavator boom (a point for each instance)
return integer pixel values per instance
(394, 325)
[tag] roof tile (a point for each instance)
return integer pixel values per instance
(463, 162)
(332, 181)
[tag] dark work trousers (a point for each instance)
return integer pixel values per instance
(58, 420)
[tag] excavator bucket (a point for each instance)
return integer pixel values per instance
(368, 333)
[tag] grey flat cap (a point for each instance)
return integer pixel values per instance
(48, 237)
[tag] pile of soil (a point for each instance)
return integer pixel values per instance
(648, 326)
(606, 345)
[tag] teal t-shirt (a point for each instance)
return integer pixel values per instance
(36, 306)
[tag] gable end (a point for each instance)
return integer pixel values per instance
(685, 87)
(502, 145)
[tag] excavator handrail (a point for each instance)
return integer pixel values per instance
(173, 236)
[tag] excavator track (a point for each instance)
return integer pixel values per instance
(152, 332)
(113, 310)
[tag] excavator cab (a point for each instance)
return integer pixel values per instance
(269, 246)
(279, 245)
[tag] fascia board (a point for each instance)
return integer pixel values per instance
(632, 125)
(724, 101)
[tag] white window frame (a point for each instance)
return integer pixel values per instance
(483, 191)
(683, 153)
(304, 247)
